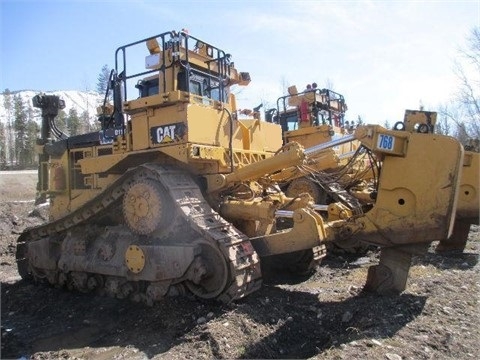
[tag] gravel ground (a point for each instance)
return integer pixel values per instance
(324, 316)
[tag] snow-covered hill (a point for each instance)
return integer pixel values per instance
(79, 100)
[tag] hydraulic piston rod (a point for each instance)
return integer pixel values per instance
(294, 156)
(346, 155)
(289, 214)
(314, 150)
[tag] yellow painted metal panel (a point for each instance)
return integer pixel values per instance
(469, 195)
(417, 194)
(212, 127)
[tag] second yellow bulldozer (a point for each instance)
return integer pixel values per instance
(348, 172)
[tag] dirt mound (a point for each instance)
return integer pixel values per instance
(14, 218)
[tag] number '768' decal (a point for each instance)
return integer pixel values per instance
(385, 142)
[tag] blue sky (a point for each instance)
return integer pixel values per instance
(383, 56)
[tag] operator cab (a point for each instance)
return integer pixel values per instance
(194, 81)
(147, 87)
(178, 69)
(311, 107)
(180, 62)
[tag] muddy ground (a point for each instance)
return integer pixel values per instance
(325, 316)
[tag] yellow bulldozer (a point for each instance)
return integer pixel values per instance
(316, 116)
(468, 208)
(176, 193)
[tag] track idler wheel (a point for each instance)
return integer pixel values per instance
(304, 185)
(146, 207)
(209, 272)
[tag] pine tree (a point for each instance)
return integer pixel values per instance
(73, 123)
(3, 143)
(85, 121)
(61, 121)
(33, 130)
(9, 135)
(103, 79)
(20, 127)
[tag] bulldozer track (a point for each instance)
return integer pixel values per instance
(242, 260)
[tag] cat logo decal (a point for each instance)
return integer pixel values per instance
(167, 133)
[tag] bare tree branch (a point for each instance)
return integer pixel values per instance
(464, 112)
